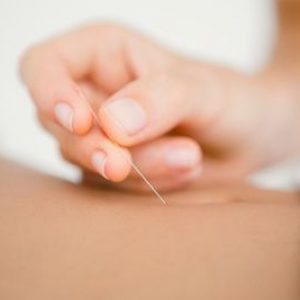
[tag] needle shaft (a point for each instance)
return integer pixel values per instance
(132, 164)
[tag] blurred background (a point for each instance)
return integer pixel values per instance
(238, 33)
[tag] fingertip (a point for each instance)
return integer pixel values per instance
(83, 118)
(76, 119)
(70, 107)
(183, 154)
(82, 122)
(118, 165)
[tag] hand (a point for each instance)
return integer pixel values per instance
(180, 120)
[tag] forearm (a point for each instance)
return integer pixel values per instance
(267, 104)
(281, 78)
(286, 57)
(60, 241)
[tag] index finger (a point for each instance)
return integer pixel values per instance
(52, 70)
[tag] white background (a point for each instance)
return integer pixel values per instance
(239, 33)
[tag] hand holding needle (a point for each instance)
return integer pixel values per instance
(132, 164)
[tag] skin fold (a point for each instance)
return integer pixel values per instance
(67, 241)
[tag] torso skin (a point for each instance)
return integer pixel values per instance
(62, 241)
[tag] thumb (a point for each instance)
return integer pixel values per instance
(144, 109)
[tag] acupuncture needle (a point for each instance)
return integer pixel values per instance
(132, 164)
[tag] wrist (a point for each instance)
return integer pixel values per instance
(280, 95)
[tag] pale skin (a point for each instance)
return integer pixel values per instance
(63, 241)
(182, 121)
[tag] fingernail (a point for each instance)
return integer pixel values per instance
(182, 158)
(127, 114)
(99, 162)
(64, 115)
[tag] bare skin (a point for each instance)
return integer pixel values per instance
(186, 121)
(62, 241)
(228, 241)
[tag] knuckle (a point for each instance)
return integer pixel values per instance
(42, 107)
(24, 61)
(30, 65)
(107, 28)
(34, 57)
(28, 56)
(113, 28)
(41, 118)
(65, 153)
(110, 27)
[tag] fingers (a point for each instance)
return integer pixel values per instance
(145, 109)
(94, 152)
(56, 94)
(53, 70)
(168, 163)
(167, 156)
(146, 101)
